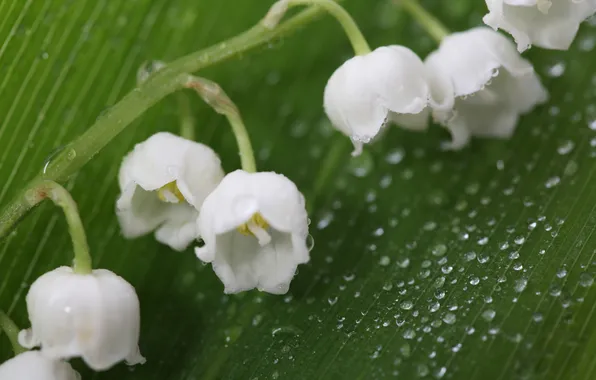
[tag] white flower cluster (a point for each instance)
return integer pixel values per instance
(475, 84)
(254, 226)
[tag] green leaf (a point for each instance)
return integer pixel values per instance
(470, 265)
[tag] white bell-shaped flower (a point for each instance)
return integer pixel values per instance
(493, 85)
(550, 24)
(254, 226)
(32, 365)
(163, 183)
(92, 316)
(389, 84)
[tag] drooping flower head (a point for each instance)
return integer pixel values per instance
(550, 24)
(32, 365)
(92, 316)
(254, 226)
(163, 183)
(492, 83)
(389, 84)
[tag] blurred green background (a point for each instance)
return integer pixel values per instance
(470, 265)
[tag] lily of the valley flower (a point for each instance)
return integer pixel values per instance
(164, 181)
(493, 85)
(550, 24)
(93, 316)
(32, 365)
(254, 226)
(389, 84)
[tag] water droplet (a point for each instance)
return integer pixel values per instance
(439, 373)
(519, 240)
(562, 273)
(586, 279)
(483, 241)
(147, 69)
(439, 282)
(489, 314)
(409, 334)
(384, 261)
(405, 350)
(483, 258)
(474, 281)
(406, 305)
(439, 250)
(71, 155)
(566, 147)
(449, 318)
(470, 256)
(403, 263)
(520, 284)
(395, 156)
(537, 317)
(552, 182)
(332, 300)
(422, 370)
(310, 242)
(556, 70)
(434, 307)
(51, 156)
(361, 166)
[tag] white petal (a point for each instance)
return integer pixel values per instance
(361, 93)
(243, 264)
(240, 195)
(180, 227)
(493, 83)
(547, 24)
(32, 365)
(164, 158)
(94, 316)
(474, 57)
(139, 211)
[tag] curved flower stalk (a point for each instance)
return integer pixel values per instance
(254, 226)
(493, 85)
(80, 312)
(163, 183)
(389, 84)
(32, 365)
(171, 78)
(550, 24)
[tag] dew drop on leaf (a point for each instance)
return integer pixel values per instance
(586, 279)
(489, 314)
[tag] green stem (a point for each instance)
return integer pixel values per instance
(430, 23)
(61, 197)
(168, 79)
(187, 120)
(350, 27)
(247, 157)
(215, 96)
(12, 332)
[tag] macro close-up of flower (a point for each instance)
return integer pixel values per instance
(297, 189)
